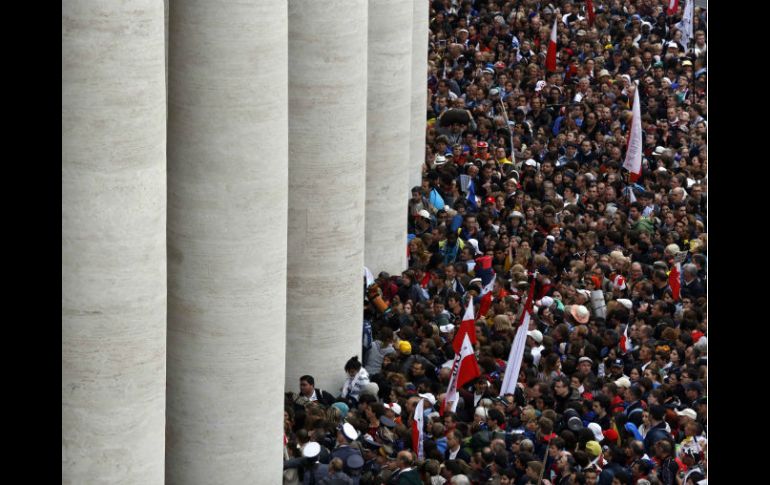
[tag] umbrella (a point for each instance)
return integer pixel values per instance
(452, 116)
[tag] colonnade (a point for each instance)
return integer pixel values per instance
(219, 203)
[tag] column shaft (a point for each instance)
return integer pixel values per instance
(113, 242)
(228, 182)
(327, 152)
(419, 90)
(389, 104)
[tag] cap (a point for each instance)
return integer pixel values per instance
(536, 334)
(546, 302)
(355, 461)
(448, 328)
(625, 302)
(604, 72)
(516, 214)
(424, 213)
(482, 144)
(596, 429)
(611, 435)
(494, 92)
(585, 359)
(405, 347)
(617, 363)
(580, 313)
(311, 450)
(394, 406)
(430, 397)
(690, 413)
(349, 431)
(387, 422)
(439, 160)
(594, 448)
(623, 382)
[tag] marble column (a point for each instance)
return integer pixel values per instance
(389, 119)
(419, 90)
(113, 242)
(227, 197)
(327, 153)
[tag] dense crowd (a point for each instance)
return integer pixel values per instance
(524, 180)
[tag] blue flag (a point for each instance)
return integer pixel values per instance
(472, 196)
(436, 200)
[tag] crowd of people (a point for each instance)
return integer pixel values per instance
(524, 179)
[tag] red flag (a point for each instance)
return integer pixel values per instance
(673, 280)
(487, 297)
(590, 12)
(633, 161)
(550, 58)
(625, 343)
(673, 6)
(464, 369)
(467, 327)
(417, 430)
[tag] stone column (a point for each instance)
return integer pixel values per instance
(419, 91)
(327, 152)
(113, 242)
(389, 105)
(227, 194)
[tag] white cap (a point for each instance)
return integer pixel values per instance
(424, 213)
(475, 245)
(536, 334)
(516, 214)
(625, 302)
(689, 413)
(623, 382)
(596, 429)
(394, 406)
(349, 431)
(446, 328)
(546, 301)
(311, 450)
(531, 162)
(430, 397)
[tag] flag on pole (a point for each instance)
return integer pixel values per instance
(674, 280)
(472, 196)
(633, 161)
(550, 58)
(487, 297)
(467, 327)
(417, 430)
(464, 369)
(673, 6)
(515, 357)
(685, 26)
(590, 12)
(625, 343)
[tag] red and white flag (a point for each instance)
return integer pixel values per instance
(417, 430)
(625, 343)
(465, 368)
(515, 357)
(487, 296)
(590, 12)
(673, 6)
(633, 161)
(550, 58)
(467, 327)
(674, 280)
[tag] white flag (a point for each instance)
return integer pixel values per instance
(515, 357)
(633, 161)
(417, 430)
(685, 26)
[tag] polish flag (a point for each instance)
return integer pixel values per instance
(633, 161)
(513, 366)
(550, 58)
(467, 327)
(590, 12)
(417, 430)
(674, 280)
(465, 368)
(486, 297)
(673, 6)
(625, 343)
